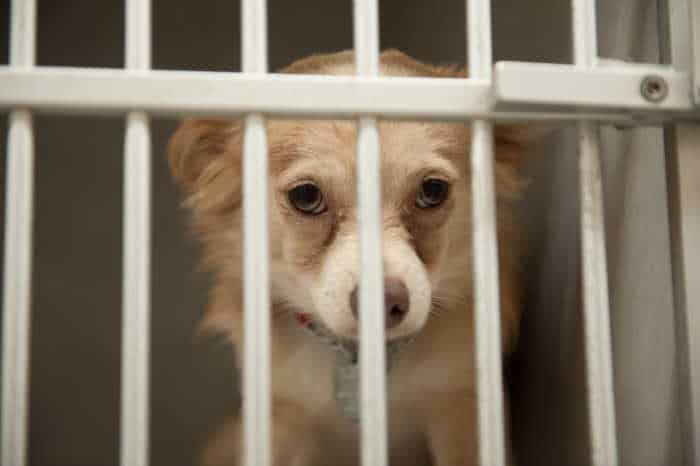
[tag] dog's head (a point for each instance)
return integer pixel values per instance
(314, 214)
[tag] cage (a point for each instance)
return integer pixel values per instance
(99, 361)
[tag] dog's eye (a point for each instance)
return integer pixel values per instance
(433, 192)
(307, 198)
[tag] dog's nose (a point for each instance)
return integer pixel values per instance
(396, 302)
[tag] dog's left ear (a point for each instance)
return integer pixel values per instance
(196, 144)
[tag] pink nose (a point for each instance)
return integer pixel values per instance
(396, 302)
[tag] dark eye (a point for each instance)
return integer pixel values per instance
(307, 198)
(433, 192)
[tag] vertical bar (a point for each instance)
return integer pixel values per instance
(485, 251)
(599, 379)
(18, 250)
(679, 47)
(136, 287)
(256, 292)
(601, 403)
(683, 176)
(694, 45)
(373, 408)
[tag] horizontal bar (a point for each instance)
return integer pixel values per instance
(611, 87)
(163, 92)
(176, 93)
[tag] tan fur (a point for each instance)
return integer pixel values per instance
(432, 386)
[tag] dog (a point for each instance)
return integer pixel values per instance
(427, 257)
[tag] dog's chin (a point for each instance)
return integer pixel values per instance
(351, 331)
(401, 333)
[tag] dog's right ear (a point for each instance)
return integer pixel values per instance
(196, 144)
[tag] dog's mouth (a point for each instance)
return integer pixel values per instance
(348, 348)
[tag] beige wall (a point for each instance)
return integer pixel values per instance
(77, 253)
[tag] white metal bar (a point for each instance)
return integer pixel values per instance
(678, 45)
(683, 171)
(136, 294)
(138, 35)
(366, 38)
(164, 92)
(486, 298)
(596, 301)
(600, 87)
(256, 350)
(18, 249)
(254, 36)
(694, 15)
(17, 288)
(136, 298)
(373, 409)
(487, 315)
(89, 90)
(584, 31)
(23, 33)
(257, 406)
(479, 40)
(372, 346)
(599, 376)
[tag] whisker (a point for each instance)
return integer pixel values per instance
(438, 309)
(281, 309)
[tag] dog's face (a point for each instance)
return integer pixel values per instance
(315, 218)
(314, 213)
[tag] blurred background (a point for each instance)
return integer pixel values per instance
(76, 298)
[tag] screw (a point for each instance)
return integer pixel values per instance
(654, 88)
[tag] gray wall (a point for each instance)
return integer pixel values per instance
(77, 251)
